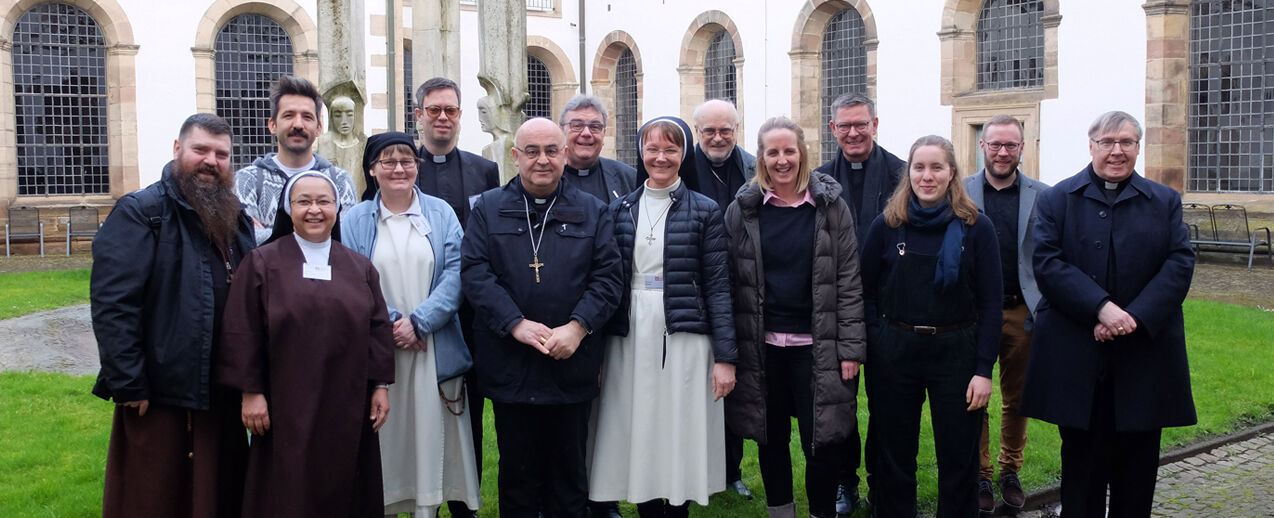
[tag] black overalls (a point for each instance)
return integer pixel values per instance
(935, 352)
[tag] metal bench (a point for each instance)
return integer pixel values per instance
(1225, 226)
(24, 223)
(83, 221)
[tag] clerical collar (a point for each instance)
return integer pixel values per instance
(856, 165)
(582, 172)
(437, 159)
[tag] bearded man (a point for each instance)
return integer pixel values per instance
(162, 266)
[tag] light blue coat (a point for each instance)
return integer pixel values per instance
(437, 314)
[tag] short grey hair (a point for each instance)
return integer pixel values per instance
(1005, 120)
(734, 111)
(582, 102)
(852, 99)
(1111, 121)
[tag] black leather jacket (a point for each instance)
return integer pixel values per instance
(152, 298)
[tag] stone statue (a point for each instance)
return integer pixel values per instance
(436, 26)
(342, 143)
(502, 69)
(500, 134)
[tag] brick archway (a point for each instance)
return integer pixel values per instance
(807, 64)
(558, 63)
(694, 48)
(287, 13)
(603, 82)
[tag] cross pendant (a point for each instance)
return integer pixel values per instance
(650, 239)
(536, 264)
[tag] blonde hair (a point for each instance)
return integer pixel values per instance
(896, 210)
(762, 177)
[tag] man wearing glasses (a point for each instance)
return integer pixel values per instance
(1108, 360)
(1008, 198)
(583, 121)
(458, 178)
(721, 168)
(868, 175)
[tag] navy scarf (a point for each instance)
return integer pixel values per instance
(948, 268)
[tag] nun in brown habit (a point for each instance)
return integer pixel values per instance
(309, 344)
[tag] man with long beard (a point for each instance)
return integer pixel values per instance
(162, 266)
(295, 105)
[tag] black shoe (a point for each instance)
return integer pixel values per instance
(739, 487)
(1011, 490)
(986, 496)
(846, 501)
(612, 510)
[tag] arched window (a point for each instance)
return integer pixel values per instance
(1230, 130)
(540, 85)
(409, 92)
(718, 68)
(1010, 44)
(252, 51)
(844, 68)
(59, 85)
(626, 108)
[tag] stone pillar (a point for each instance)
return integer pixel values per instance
(502, 69)
(435, 40)
(342, 77)
(1163, 149)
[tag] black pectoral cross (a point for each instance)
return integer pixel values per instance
(536, 264)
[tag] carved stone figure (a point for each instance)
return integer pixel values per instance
(342, 143)
(502, 69)
(500, 135)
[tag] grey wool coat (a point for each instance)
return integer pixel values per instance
(838, 331)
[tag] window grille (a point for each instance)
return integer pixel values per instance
(1010, 44)
(531, 5)
(1230, 126)
(59, 85)
(540, 85)
(844, 68)
(409, 92)
(718, 69)
(252, 51)
(626, 108)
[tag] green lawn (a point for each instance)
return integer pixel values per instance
(23, 293)
(53, 433)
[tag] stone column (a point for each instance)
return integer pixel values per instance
(342, 77)
(1163, 148)
(435, 40)
(502, 69)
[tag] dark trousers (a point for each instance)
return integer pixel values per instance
(733, 455)
(789, 390)
(1101, 458)
(476, 404)
(852, 454)
(906, 367)
(542, 459)
(662, 509)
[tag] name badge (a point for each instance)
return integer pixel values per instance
(654, 282)
(420, 224)
(321, 272)
(473, 199)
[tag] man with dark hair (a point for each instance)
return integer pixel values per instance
(1108, 356)
(540, 264)
(1008, 197)
(583, 120)
(295, 106)
(162, 265)
(458, 178)
(868, 175)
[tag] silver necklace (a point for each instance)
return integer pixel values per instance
(650, 235)
(530, 231)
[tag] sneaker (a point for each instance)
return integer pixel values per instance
(1011, 490)
(742, 489)
(846, 501)
(986, 496)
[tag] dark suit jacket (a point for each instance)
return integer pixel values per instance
(884, 170)
(1028, 189)
(1076, 231)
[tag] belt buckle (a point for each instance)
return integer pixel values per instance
(925, 330)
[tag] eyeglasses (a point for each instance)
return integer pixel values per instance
(709, 133)
(1109, 144)
(434, 110)
(1008, 146)
(843, 128)
(534, 153)
(578, 126)
(390, 164)
(322, 203)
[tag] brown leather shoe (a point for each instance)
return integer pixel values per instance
(1011, 490)
(986, 496)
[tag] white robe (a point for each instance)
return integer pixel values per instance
(426, 451)
(656, 431)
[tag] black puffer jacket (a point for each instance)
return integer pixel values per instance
(837, 327)
(696, 269)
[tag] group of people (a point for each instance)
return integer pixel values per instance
(631, 325)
